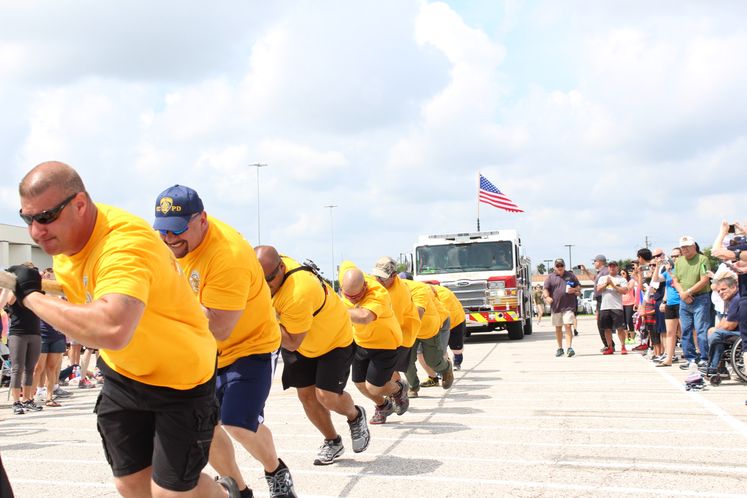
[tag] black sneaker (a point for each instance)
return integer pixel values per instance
(30, 406)
(229, 484)
(18, 408)
(280, 482)
(359, 431)
(559, 352)
(329, 451)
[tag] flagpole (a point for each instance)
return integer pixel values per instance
(478, 201)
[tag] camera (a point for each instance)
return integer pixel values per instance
(577, 267)
(732, 228)
(645, 268)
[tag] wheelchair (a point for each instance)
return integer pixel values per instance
(733, 358)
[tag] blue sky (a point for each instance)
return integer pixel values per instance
(606, 124)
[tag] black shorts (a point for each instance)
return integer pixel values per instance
(374, 366)
(611, 319)
(169, 429)
(57, 346)
(672, 312)
(403, 358)
(328, 372)
(456, 336)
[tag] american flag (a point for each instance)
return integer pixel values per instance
(489, 194)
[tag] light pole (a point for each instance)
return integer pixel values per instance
(258, 165)
(548, 266)
(332, 239)
(570, 259)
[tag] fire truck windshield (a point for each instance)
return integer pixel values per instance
(454, 258)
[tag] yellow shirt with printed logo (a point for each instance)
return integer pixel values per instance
(382, 333)
(296, 301)
(172, 345)
(451, 303)
(405, 311)
(224, 274)
(423, 297)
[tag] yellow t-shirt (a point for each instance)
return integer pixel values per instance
(225, 274)
(405, 311)
(296, 301)
(172, 345)
(451, 303)
(423, 297)
(382, 333)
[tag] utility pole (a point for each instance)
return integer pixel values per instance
(646, 242)
(570, 259)
(548, 265)
(258, 165)
(332, 240)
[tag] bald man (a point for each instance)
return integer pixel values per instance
(377, 334)
(317, 349)
(127, 298)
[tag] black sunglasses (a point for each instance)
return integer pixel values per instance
(48, 216)
(271, 276)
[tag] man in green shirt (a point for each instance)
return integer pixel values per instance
(691, 280)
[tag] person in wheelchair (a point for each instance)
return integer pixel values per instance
(727, 329)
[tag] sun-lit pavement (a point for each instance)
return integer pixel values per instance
(517, 422)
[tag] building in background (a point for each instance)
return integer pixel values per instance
(17, 247)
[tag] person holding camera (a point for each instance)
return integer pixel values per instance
(600, 265)
(735, 256)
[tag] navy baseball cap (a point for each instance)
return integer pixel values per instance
(175, 206)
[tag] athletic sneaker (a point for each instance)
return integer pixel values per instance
(571, 353)
(61, 393)
(400, 399)
(229, 485)
(457, 367)
(18, 408)
(608, 351)
(623, 350)
(329, 451)
(280, 482)
(447, 376)
(359, 431)
(30, 406)
(640, 347)
(559, 352)
(412, 393)
(431, 382)
(85, 384)
(687, 365)
(381, 413)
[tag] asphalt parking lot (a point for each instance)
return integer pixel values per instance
(517, 422)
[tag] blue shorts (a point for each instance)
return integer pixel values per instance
(57, 346)
(242, 389)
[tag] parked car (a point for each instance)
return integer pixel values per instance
(586, 302)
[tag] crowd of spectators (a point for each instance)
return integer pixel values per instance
(669, 302)
(34, 354)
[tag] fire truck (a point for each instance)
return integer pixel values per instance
(488, 273)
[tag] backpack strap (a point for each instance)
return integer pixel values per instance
(310, 270)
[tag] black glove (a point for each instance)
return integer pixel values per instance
(28, 281)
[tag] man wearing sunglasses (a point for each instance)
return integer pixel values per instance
(317, 348)
(229, 283)
(126, 297)
(377, 335)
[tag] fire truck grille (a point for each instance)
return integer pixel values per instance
(472, 295)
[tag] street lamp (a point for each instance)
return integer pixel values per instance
(332, 239)
(258, 165)
(570, 259)
(548, 265)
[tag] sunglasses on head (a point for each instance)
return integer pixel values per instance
(179, 232)
(48, 216)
